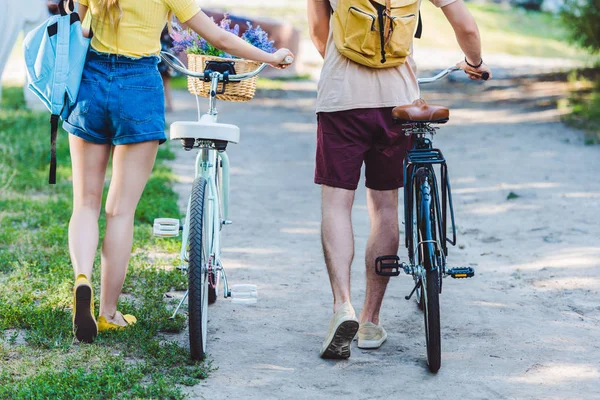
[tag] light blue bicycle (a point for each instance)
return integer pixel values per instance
(208, 206)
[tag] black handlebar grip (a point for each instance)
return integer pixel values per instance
(485, 76)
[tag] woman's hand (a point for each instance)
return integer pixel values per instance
(279, 59)
(475, 73)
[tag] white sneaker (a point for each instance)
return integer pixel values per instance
(371, 336)
(342, 328)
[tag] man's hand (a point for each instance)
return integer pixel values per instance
(467, 36)
(475, 73)
(319, 13)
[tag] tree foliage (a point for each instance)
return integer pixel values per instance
(582, 17)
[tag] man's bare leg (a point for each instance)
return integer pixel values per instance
(337, 237)
(338, 247)
(383, 241)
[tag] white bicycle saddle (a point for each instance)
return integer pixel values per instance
(205, 129)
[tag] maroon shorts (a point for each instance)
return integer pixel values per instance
(346, 139)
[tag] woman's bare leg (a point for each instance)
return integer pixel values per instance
(89, 162)
(132, 166)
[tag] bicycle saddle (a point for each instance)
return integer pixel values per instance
(420, 112)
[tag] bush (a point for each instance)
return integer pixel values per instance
(582, 17)
(532, 5)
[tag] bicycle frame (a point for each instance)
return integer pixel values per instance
(423, 155)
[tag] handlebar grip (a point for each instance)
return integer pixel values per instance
(485, 76)
(288, 60)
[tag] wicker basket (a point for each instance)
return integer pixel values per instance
(234, 91)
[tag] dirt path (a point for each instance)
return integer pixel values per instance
(526, 327)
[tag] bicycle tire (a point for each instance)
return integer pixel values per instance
(197, 271)
(430, 286)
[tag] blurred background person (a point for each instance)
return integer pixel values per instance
(19, 17)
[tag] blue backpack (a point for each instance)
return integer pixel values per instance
(55, 54)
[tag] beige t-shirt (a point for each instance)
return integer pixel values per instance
(346, 85)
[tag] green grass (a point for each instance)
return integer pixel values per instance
(39, 358)
(503, 30)
(584, 103)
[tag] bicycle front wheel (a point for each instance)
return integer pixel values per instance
(430, 285)
(198, 256)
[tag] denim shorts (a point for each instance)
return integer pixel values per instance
(120, 101)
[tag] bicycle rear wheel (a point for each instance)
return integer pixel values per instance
(198, 256)
(430, 285)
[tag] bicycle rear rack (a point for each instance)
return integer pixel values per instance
(425, 156)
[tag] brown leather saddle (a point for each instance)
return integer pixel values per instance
(420, 112)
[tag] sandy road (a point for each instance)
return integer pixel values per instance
(526, 327)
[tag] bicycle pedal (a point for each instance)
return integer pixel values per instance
(461, 273)
(388, 266)
(166, 227)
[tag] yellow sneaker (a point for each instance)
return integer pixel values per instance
(84, 323)
(342, 328)
(104, 325)
(371, 336)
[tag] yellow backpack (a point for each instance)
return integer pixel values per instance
(376, 33)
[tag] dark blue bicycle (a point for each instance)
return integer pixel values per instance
(427, 203)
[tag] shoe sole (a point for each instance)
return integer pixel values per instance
(339, 346)
(85, 326)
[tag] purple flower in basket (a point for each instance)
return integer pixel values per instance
(182, 39)
(226, 24)
(257, 37)
(186, 40)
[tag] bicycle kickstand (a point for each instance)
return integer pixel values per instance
(418, 285)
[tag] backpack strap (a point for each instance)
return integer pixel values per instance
(388, 21)
(385, 25)
(59, 89)
(53, 133)
(419, 27)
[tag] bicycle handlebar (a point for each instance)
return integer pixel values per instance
(485, 76)
(168, 59)
(439, 76)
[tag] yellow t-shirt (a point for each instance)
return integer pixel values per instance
(138, 32)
